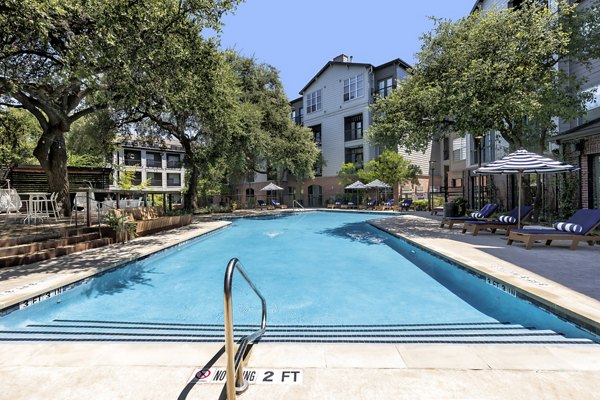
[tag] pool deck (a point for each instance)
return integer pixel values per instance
(556, 275)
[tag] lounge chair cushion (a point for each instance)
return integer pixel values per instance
(508, 219)
(568, 227)
(477, 215)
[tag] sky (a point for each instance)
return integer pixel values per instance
(300, 37)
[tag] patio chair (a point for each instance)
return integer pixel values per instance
(485, 212)
(506, 222)
(371, 203)
(577, 229)
(406, 204)
(261, 203)
(388, 205)
(277, 204)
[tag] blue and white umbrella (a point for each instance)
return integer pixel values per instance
(523, 162)
(357, 185)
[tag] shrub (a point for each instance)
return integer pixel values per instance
(420, 205)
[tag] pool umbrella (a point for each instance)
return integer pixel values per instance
(271, 187)
(356, 185)
(523, 162)
(377, 184)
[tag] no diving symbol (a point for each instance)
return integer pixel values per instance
(203, 374)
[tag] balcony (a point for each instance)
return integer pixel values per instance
(133, 162)
(352, 134)
(155, 182)
(154, 163)
(173, 183)
(174, 164)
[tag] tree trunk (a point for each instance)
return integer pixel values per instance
(191, 195)
(51, 152)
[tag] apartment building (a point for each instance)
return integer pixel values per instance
(334, 104)
(158, 166)
(579, 139)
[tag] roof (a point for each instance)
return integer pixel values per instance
(366, 65)
(590, 128)
(402, 63)
(329, 64)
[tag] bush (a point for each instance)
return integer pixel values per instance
(420, 205)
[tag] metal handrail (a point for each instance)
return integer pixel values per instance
(235, 375)
(296, 202)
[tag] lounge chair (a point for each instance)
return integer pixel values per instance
(406, 204)
(277, 204)
(506, 222)
(371, 203)
(388, 205)
(485, 212)
(261, 204)
(577, 229)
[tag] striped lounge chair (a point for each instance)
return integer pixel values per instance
(577, 229)
(506, 222)
(485, 212)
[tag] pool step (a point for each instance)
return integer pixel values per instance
(464, 333)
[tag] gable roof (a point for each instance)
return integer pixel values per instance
(366, 65)
(329, 64)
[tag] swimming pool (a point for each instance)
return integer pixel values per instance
(316, 269)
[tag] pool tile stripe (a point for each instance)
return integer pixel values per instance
(145, 331)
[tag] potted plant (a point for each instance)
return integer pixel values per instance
(124, 230)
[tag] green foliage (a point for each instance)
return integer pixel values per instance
(18, 133)
(493, 70)
(420, 205)
(267, 136)
(91, 140)
(63, 60)
(461, 203)
(348, 174)
(124, 228)
(390, 167)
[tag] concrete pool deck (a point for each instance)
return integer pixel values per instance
(330, 371)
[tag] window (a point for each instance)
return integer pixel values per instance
(301, 116)
(137, 178)
(173, 161)
(313, 101)
(293, 116)
(353, 128)
(173, 179)
(155, 178)
(316, 134)
(153, 160)
(384, 87)
(353, 87)
(459, 149)
(133, 158)
(354, 155)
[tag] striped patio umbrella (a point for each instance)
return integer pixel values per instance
(377, 184)
(523, 162)
(356, 185)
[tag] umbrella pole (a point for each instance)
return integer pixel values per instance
(519, 202)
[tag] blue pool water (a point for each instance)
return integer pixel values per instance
(313, 268)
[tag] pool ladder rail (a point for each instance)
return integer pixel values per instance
(235, 382)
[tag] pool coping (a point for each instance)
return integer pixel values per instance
(562, 301)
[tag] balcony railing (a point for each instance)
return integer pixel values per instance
(173, 183)
(156, 182)
(154, 163)
(352, 134)
(133, 162)
(173, 164)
